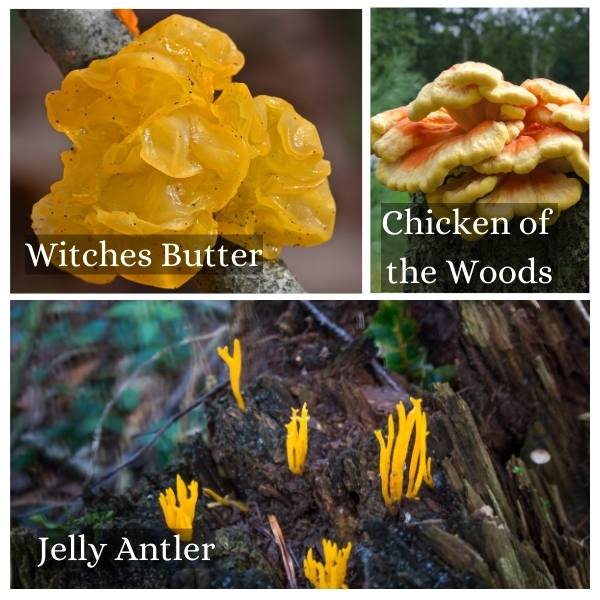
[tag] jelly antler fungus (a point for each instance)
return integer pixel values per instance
(470, 138)
(234, 364)
(165, 143)
(179, 511)
(297, 440)
(395, 451)
(332, 574)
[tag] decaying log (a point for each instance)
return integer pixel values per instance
(495, 517)
(565, 250)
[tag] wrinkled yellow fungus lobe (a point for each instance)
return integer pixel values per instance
(297, 440)
(397, 454)
(165, 143)
(234, 364)
(332, 574)
(179, 510)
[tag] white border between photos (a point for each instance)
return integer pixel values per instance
(365, 5)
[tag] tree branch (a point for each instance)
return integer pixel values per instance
(74, 38)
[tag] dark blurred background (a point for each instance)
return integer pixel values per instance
(411, 46)
(311, 58)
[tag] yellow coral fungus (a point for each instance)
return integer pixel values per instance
(234, 364)
(297, 440)
(166, 144)
(179, 511)
(396, 450)
(332, 574)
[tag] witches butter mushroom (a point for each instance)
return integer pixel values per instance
(171, 160)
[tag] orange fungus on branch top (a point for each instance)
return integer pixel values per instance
(129, 19)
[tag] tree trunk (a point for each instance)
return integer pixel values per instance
(565, 250)
(495, 518)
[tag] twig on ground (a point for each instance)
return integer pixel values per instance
(288, 564)
(324, 321)
(131, 459)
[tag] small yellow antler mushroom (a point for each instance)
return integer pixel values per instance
(180, 517)
(332, 574)
(394, 452)
(297, 440)
(234, 363)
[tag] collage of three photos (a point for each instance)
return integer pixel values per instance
(213, 384)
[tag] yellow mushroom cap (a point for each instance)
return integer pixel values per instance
(473, 73)
(381, 122)
(522, 195)
(509, 93)
(406, 135)
(472, 92)
(547, 91)
(424, 169)
(456, 87)
(193, 155)
(574, 116)
(580, 161)
(463, 190)
(535, 145)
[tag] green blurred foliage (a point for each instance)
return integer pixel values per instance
(70, 358)
(394, 332)
(412, 45)
(380, 195)
(394, 82)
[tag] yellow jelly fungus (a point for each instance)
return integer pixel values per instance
(332, 574)
(179, 512)
(297, 440)
(397, 450)
(165, 143)
(223, 500)
(234, 364)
